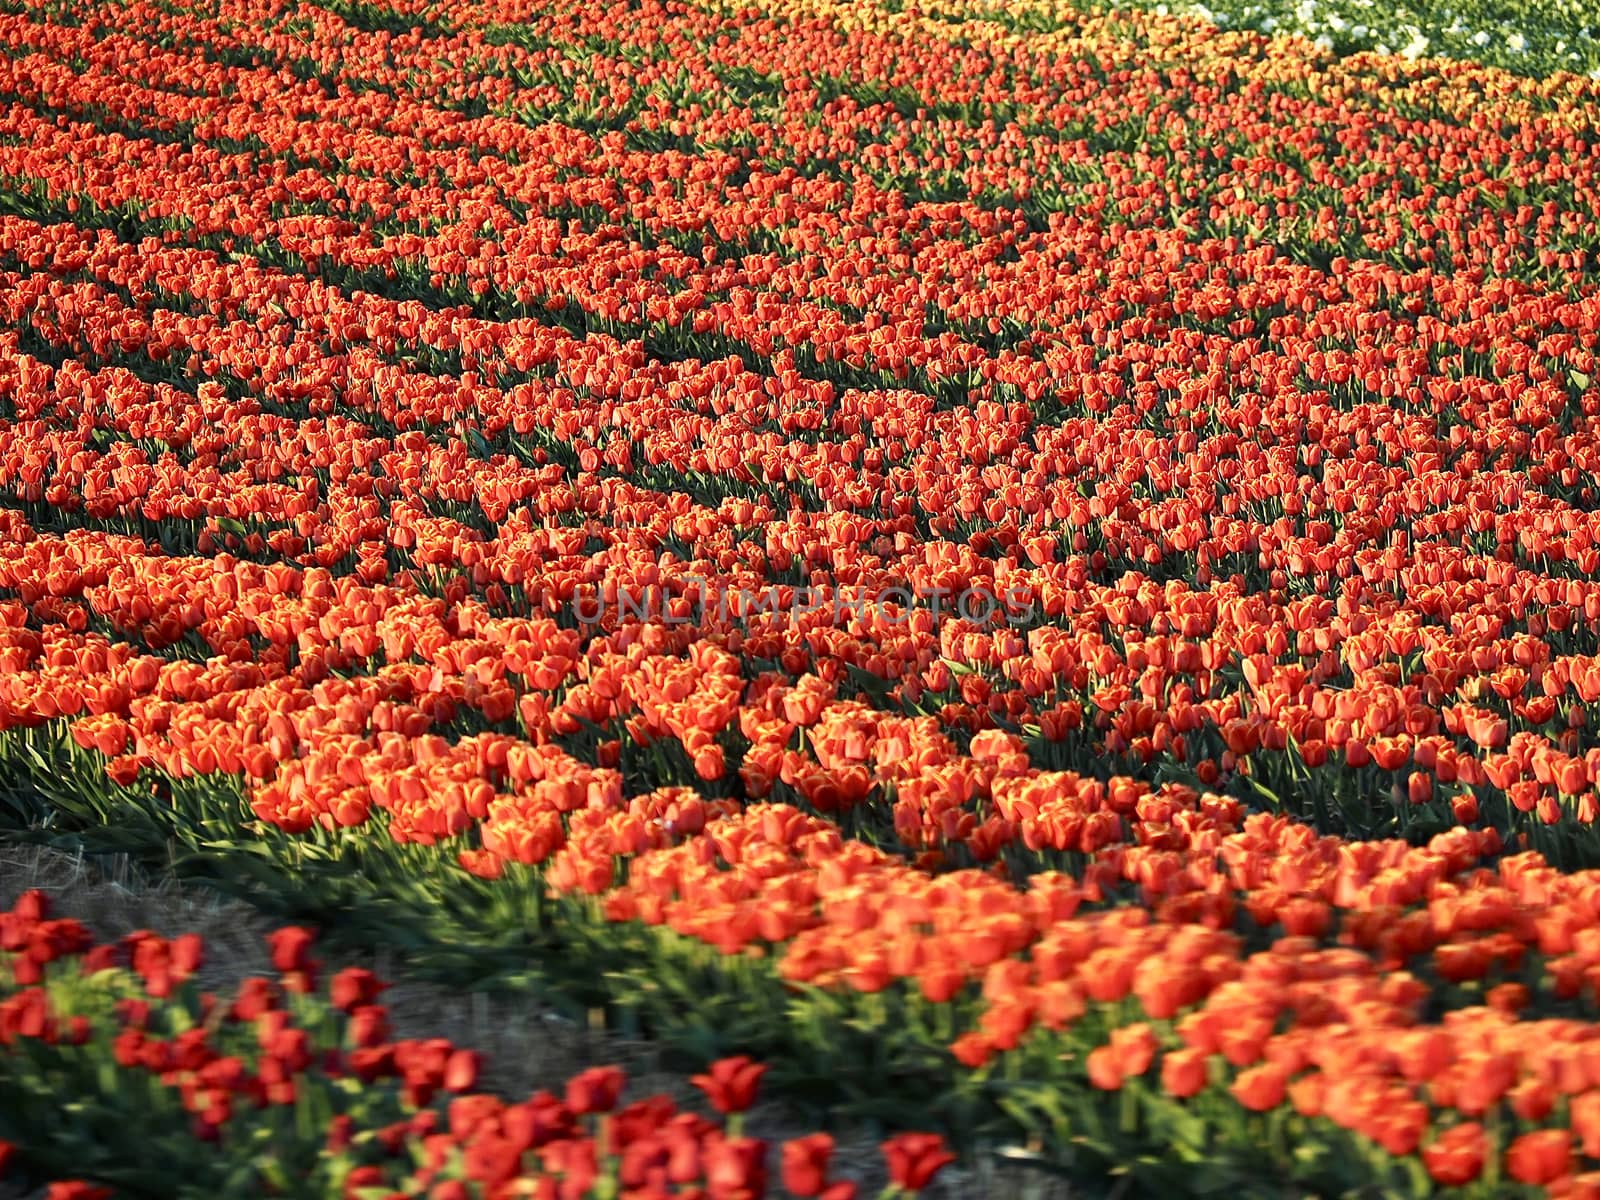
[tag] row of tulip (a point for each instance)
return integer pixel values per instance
(1407, 1017)
(520, 699)
(291, 1087)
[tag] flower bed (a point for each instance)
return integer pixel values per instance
(1038, 578)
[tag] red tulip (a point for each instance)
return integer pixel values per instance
(461, 1070)
(805, 1163)
(290, 947)
(595, 1090)
(353, 987)
(1540, 1157)
(735, 1168)
(731, 1083)
(915, 1158)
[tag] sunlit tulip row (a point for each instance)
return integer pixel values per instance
(1065, 542)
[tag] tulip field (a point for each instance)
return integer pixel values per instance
(1021, 580)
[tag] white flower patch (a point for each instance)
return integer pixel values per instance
(1416, 47)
